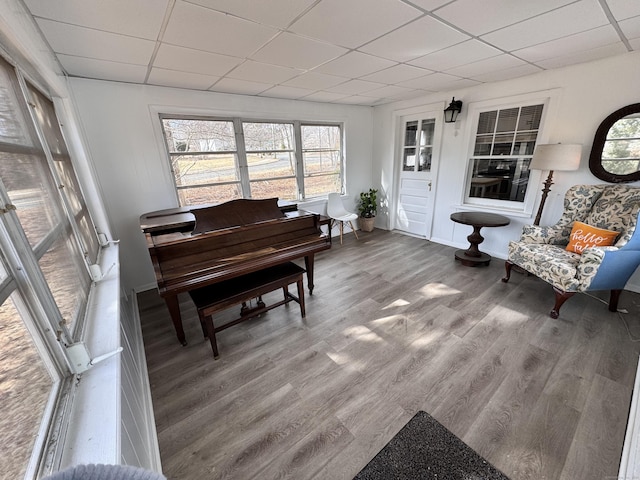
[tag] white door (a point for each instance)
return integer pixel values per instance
(417, 174)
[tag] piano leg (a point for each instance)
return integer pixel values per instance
(308, 263)
(174, 310)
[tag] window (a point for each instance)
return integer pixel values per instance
(503, 144)
(424, 147)
(216, 160)
(322, 158)
(271, 160)
(47, 242)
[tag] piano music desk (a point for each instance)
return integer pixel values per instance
(213, 298)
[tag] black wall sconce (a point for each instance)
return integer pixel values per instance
(452, 111)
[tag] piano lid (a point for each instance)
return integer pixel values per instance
(183, 219)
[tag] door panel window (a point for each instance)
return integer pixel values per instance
(423, 142)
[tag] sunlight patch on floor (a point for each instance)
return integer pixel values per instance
(428, 338)
(390, 320)
(437, 290)
(397, 303)
(507, 315)
(360, 332)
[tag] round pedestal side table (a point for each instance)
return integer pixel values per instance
(472, 256)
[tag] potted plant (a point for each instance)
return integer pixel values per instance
(367, 208)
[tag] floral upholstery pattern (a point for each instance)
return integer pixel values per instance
(617, 208)
(541, 250)
(578, 203)
(550, 263)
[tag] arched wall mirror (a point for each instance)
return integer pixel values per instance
(615, 155)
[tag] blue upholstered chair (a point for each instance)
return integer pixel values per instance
(542, 250)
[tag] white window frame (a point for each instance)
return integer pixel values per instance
(35, 302)
(240, 152)
(546, 98)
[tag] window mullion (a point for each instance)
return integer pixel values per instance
(241, 159)
(297, 135)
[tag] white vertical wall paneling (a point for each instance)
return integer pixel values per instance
(139, 438)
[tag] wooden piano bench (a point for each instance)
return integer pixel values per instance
(213, 298)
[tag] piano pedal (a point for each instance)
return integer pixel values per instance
(246, 310)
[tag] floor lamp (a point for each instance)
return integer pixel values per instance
(558, 156)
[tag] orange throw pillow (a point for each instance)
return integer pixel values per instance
(585, 236)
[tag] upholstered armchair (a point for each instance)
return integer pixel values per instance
(543, 252)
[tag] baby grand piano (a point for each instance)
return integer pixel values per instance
(192, 247)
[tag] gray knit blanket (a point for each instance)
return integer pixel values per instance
(105, 472)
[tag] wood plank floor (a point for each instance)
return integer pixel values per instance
(394, 326)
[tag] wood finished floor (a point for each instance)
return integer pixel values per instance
(394, 326)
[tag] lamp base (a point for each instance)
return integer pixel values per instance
(545, 192)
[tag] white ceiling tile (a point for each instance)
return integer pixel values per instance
(508, 73)
(461, 83)
(585, 56)
(142, 18)
(410, 93)
(465, 52)
(574, 18)
(291, 50)
(280, 91)
(423, 36)
(392, 91)
(471, 70)
(324, 97)
(359, 100)
(479, 17)
(194, 61)
(86, 42)
(264, 72)
(279, 13)
(315, 81)
(396, 74)
(573, 43)
(205, 29)
(243, 87)
(631, 27)
(174, 78)
(359, 21)
(430, 5)
(431, 82)
(622, 9)
(353, 87)
(102, 69)
(355, 64)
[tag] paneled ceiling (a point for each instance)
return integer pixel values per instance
(361, 52)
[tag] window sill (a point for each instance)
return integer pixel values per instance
(93, 429)
(509, 212)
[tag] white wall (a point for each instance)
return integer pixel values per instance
(122, 129)
(587, 93)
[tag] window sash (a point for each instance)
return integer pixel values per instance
(501, 144)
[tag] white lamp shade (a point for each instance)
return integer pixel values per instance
(557, 156)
